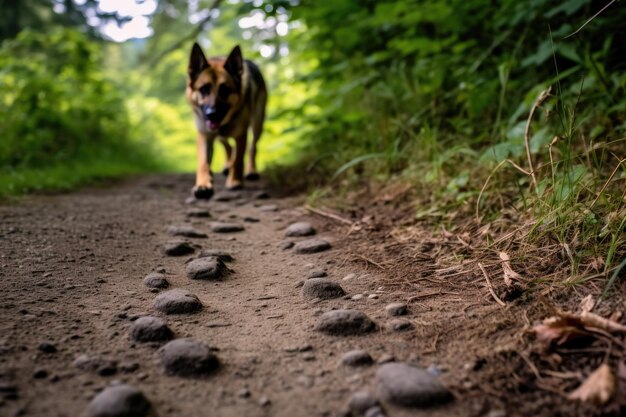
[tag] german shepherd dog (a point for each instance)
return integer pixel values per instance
(228, 96)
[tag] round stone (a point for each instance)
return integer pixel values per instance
(360, 402)
(186, 231)
(345, 323)
(210, 268)
(311, 246)
(356, 357)
(177, 248)
(196, 212)
(219, 227)
(216, 253)
(155, 280)
(405, 385)
(285, 245)
(321, 288)
(150, 329)
(47, 347)
(300, 229)
(177, 301)
(316, 274)
(400, 325)
(187, 357)
(397, 309)
(119, 401)
(96, 364)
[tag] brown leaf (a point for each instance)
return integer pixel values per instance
(509, 274)
(598, 388)
(559, 331)
(587, 303)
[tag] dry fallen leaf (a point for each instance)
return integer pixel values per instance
(587, 303)
(598, 388)
(560, 330)
(509, 274)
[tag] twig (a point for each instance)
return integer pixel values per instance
(590, 19)
(430, 294)
(543, 96)
(328, 215)
(493, 293)
(607, 183)
(369, 261)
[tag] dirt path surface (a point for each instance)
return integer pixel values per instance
(71, 277)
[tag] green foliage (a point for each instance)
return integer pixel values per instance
(57, 109)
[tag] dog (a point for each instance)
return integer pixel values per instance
(228, 96)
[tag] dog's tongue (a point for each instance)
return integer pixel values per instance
(212, 125)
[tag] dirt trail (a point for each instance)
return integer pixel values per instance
(71, 275)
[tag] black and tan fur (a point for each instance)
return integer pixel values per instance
(228, 96)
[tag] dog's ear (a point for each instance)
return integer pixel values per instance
(234, 63)
(197, 62)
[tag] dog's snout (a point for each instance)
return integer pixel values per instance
(210, 113)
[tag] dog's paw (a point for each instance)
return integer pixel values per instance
(253, 176)
(225, 171)
(202, 192)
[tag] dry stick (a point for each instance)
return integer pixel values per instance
(328, 215)
(607, 183)
(493, 293)
(543, 96)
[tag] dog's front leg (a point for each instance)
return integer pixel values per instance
(235, 175)
(204, 179)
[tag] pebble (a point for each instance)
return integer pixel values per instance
(264, 402)
(197, 212)
(405, 385)
(360, 402)
(356, 357)
(349, 277)
(177, 301)
(101, 366)
(400, 325)
(186, 231)
(40, 373)
(187, 357)
(268, 208)
(311, 246)
(261, 195)
(300, 229)
(397, 309)
(243, 393)
(357, 297)
(156, 280)
(373, 296)
(321, 288)
(47, 347)
(374, 412)
(219, 227)
(216, 253)
(316, 274)
(150, 329)
(386, 357)
(209, 268)
(285, 245)
(227, 195)
(249, 219)
(345, 322)
(177, 248)
(119, 401)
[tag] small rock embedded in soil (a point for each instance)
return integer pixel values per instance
(187, 358)
(219, 227)
(196, 212)
(345, 323)
(226, 195)
(186, 231)
(397, 309)
(311, 246)
(321, 288)
(269, 208)
(47, 347)
(216, 253)
(96, 364)
(285, 245)
(405, 385)
(356, 357)
(249, 219)
(300, 229)
(261, 195)
(375, 411)
(156, 280)
(150, 329)
(209, 268)
(119, 401)
(177, 248)
(40, 373)
(400, 325)
(316, 274)
(360, 402)
(357, 297)
(177, 301)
